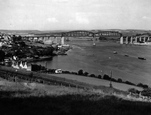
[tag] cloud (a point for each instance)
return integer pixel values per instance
(61, 1)
(80, 18)
(145, 17)
(71, 21)
(52, 20)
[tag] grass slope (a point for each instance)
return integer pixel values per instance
(71, 105)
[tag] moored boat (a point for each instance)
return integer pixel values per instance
(114, 52)
(141, 58)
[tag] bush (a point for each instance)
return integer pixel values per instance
(66, 72)
(129, 83)
(51, 70)
(74, 73)
(133, 90)
(146, 92)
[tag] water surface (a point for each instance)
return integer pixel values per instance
(101, 60)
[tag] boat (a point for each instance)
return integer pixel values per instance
(141, 58)
(61, 53)
(114, 52)
(126, 55)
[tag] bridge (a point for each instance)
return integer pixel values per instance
(57, 37)
(145, 38)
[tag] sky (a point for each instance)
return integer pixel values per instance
(75, 14)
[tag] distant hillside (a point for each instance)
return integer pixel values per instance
(129, 32)
(21, 32)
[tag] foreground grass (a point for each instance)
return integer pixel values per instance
(70, 105)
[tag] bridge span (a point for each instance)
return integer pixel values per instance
(74, 34)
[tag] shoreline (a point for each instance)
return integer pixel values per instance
(38, 59)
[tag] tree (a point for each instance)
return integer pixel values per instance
(80, 72)
(129, 83)
(85, 73)
(146, 92)
(19, 38)
(113, 79)
(2, 55)
(99, 76)
(142, 85)
(133, 90)
(92, 75)
(119, 80)
(102, 38)
(106, 77)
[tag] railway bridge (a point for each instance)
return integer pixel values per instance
(136, 39)
(60, 36)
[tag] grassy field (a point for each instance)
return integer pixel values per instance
(40, 99)
(97, 82)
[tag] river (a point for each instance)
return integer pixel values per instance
(100, 59)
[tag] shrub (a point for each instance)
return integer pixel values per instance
(129, 83)
(51, 70)
(74, 73)
(146, 92)
(65, 72)
(133, 90)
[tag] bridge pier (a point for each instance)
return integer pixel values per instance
(55, 40)
(121, 40)
(62, 40)
(126, 40)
